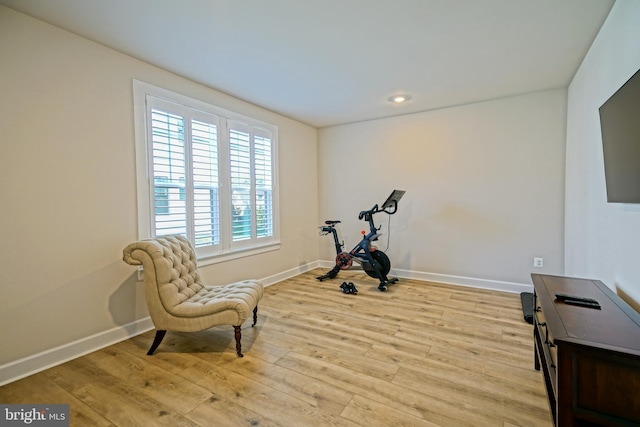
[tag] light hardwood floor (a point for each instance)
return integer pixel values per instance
(421, 354)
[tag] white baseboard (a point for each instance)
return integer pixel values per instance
(30, 365)
(472, 282)
(271, 280)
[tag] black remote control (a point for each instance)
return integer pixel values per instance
(582, 303)
(565, 297)
(576, 300)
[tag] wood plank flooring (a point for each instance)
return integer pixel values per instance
(421, 354)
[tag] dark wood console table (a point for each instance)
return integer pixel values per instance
(590, 357)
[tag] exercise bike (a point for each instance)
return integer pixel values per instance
(373, 261)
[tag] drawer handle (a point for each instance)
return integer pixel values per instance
(546, 332)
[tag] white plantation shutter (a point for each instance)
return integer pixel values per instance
(205, 173)
(169, 169)
(184, 165)
(264, 184)
(206, 199)
(251, 173)
(241, 188)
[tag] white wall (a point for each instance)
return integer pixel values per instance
(602, 241)
(484, 182)
(67, 174)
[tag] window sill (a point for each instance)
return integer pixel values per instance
(215, 259)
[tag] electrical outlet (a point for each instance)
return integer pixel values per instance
(538, 262)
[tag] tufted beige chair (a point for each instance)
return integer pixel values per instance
(176, 297)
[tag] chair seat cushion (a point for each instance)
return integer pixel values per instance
(241, 297)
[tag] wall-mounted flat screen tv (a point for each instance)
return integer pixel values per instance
(620, 126)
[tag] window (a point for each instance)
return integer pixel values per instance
(205, 173)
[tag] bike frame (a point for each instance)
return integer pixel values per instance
(362, 250)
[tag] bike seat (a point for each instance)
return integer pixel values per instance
(330, 222)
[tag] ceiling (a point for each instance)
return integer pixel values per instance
(330, 62)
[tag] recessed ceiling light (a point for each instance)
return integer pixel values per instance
(399, 99)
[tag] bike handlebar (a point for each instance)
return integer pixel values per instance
(375, 209)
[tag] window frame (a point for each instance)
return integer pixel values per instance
(227, 249)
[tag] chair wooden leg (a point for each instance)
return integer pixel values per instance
(156, 341)
(238, 337)
(255, 316)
